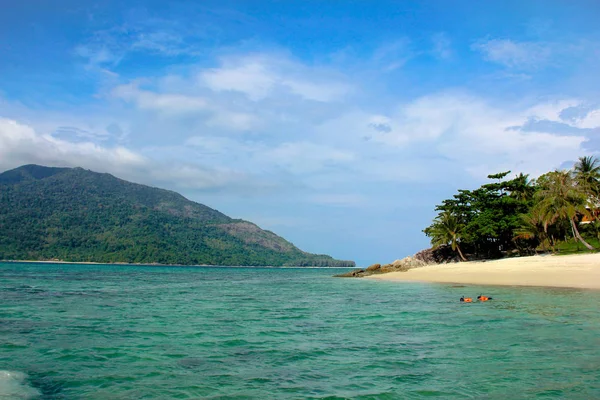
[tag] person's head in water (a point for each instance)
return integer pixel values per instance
(462, 298)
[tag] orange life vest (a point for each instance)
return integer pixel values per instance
(484, 298)
(468, 300)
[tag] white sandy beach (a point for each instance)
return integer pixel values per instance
(575, 271)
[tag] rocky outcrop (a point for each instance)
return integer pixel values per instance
(374, 267)
(438, 255)
(399, 265)
(357, 273)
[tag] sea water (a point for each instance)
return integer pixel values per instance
(129, 332)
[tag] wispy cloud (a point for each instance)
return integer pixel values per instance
(477, 137)
(163, 102)
(514, 54)
(442, 46)
(244, 93)
(261, 75)
(176, 105)
(161, 42)
(390, 56)
(155, 36)
(99, 54)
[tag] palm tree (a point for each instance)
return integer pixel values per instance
(532, 226)
(560, 198)
(522, 188)
(587, 173)
(446, 228)
(587, 176)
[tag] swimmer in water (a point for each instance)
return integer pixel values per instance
(483, 298)
(466, 299)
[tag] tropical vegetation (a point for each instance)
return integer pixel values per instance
(520, 216)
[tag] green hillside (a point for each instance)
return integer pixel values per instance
(72, 214)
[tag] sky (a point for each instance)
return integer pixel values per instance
(338, 125)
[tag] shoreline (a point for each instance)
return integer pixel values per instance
(580, 271)
(156, 264)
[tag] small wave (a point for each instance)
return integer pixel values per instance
(13, 385)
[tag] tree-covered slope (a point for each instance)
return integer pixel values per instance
(72, 214)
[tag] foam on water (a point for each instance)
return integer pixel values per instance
(13, 385)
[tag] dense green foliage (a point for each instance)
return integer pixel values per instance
(78, 215)
(447, 228)
(522, 216)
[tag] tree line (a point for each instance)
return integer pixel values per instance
(522, 216)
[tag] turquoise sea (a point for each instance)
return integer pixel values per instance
(133, 332)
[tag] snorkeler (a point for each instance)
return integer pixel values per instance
(483, 298)
(466, 299)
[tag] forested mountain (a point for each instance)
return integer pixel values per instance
(72, 214)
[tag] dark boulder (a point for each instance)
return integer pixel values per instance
(437, 255)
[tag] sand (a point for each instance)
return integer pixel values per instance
(574, 271)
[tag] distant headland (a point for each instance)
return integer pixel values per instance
(76, 215)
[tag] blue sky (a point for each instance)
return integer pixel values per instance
(336, 124)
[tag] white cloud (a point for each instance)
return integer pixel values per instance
(233, 120)
(514, 54)
(246, 93)
(551, 110)
(269, 116)
(163, 102)
(261, 76)
(463, 132)
(73, 124)
(20, 144)
(249, 77)
(591, 120)
(480, 137)
(177, 105)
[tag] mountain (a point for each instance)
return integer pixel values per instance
(72, 214)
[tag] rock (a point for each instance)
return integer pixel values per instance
(384, 269)
(437, 255)
(374, 267)
(397, 266)
(407, 263)
(398, 263)
(345, 275)
(352, 274)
